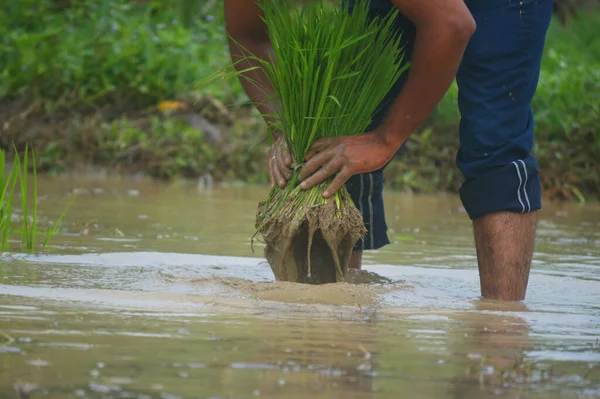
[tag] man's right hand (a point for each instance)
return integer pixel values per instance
(280, 162)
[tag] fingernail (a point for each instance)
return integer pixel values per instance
(303, 185)
(326, 193)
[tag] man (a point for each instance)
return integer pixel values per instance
(493, 48)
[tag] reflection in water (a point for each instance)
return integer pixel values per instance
(498, 342)
(333, 361)
(152, 291)
(121, 353)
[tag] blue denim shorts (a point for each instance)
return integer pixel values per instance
(497, 80)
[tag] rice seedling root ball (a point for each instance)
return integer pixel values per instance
(310, 245)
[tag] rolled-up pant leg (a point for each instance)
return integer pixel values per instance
(497, 80)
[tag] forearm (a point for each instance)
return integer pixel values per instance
(436, 58)
(255, 82)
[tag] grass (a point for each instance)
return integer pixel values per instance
(16, 184)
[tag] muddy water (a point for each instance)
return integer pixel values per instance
(153, 291)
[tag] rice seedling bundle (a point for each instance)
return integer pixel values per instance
(331, 71)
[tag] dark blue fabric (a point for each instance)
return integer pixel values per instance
(497, 80)
(366, 191)
(375, 4)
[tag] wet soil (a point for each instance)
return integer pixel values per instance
(311, 245)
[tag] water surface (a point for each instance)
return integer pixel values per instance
(154, 291)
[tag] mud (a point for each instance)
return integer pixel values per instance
(311, 245)
(338, 294)
(361, 288)
(354, 276)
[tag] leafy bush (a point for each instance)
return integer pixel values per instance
(109, 51)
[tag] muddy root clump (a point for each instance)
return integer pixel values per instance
(313, 244)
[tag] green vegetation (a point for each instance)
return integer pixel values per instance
(118, 52)
(28, 218)
(81, 81)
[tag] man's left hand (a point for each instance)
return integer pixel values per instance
(344, 157)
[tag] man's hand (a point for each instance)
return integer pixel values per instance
(279, 162)
(344, 157)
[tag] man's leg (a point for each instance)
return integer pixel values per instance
(497, 80)
(504, 243)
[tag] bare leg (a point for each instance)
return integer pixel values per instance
(356, 259)
(505, 243)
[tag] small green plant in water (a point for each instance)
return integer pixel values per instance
(18, 177)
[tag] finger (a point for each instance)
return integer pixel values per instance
(283, 153)
(278, 176)
(340, 179)
(271, 177)
(321, 144)
(283, 169)
(315, 163)
(310, 154)
(329, 169)
(287, 159)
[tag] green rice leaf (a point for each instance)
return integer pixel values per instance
(348, 75)
(335, 100)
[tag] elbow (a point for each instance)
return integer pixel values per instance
(462, 26)
(455, 27)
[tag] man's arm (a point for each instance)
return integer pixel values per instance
(443, 29)
(243, 20)
(244, 24)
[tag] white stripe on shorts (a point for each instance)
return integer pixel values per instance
(520, 185)
(525, 187)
